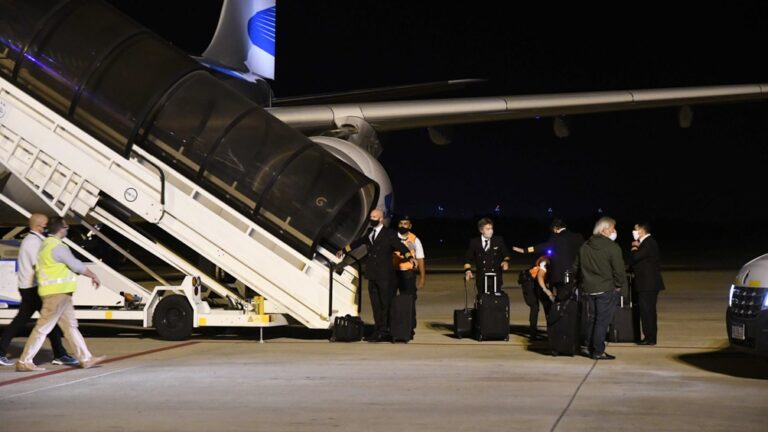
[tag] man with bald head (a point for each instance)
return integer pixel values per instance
(382, 242)
(30, 299)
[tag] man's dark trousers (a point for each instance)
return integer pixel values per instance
(647, 306)
(604, 306)
(407, 281)
(381, 291)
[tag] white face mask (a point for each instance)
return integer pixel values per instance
(612, 236)
(636, 234)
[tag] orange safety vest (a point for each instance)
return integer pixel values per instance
(535, 270)
(401, 263)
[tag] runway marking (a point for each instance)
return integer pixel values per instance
(110, 360)
(65, 383)
(562, 414)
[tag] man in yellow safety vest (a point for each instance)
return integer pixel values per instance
(57, 271)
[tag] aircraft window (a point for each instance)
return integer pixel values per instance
(57, 61)
(20, 20)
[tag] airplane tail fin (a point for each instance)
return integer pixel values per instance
(244, 41)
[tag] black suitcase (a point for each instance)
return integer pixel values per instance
(401, 318)
(347, 329)
(492, 312)
(563, 327)
(624, 327)
(462, 318)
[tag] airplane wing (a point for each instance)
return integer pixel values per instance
(386, 116)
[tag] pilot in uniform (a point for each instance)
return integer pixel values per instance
(488, 254)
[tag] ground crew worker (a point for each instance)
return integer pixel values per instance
(535, 291)
(57, 271)
(488, 254)
(561, 247)
(30, 299)
(408, 282)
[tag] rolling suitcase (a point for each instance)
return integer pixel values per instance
(563, 327)
(401, 318)
(492, 312)
(624, 327)
(462, 318)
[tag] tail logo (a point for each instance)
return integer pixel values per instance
(261, 29)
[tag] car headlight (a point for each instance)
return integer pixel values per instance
(730, 296)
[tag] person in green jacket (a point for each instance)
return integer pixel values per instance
(600, 267)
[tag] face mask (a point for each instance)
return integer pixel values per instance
(612, 236)
(402, 230)
(374, 223)
(636, 234)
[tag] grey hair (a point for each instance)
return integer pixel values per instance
(603, 223)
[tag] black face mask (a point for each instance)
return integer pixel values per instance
(402, 230)
(374, 223)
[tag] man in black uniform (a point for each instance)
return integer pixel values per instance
(489, 254)
(382, 242)
(648, 281)
(561, 247)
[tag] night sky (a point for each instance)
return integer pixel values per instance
(635, 165)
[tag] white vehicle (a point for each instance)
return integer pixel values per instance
(747, 315)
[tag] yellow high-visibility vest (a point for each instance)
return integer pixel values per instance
(53, 277)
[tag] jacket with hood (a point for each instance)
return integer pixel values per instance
(600, 266)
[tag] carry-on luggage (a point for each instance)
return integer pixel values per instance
(401, 318)
(624, 327)
(347, 329)
(492, 312)
(563, 327)
(462, 318)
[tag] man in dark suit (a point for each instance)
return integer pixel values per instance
(382, 242)
(489, 254)
(647, 281)
(561, 248)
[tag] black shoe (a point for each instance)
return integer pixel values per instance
(647, 342)
(536, 337)
(603, 356)
(374, 337)
(585, 352)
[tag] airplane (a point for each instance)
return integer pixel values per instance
(242, 50)
(261, 181)
(242, 53)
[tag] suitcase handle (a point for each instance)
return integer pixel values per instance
(466, 296)
(495, 281)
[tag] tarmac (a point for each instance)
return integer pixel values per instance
(298, 381)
